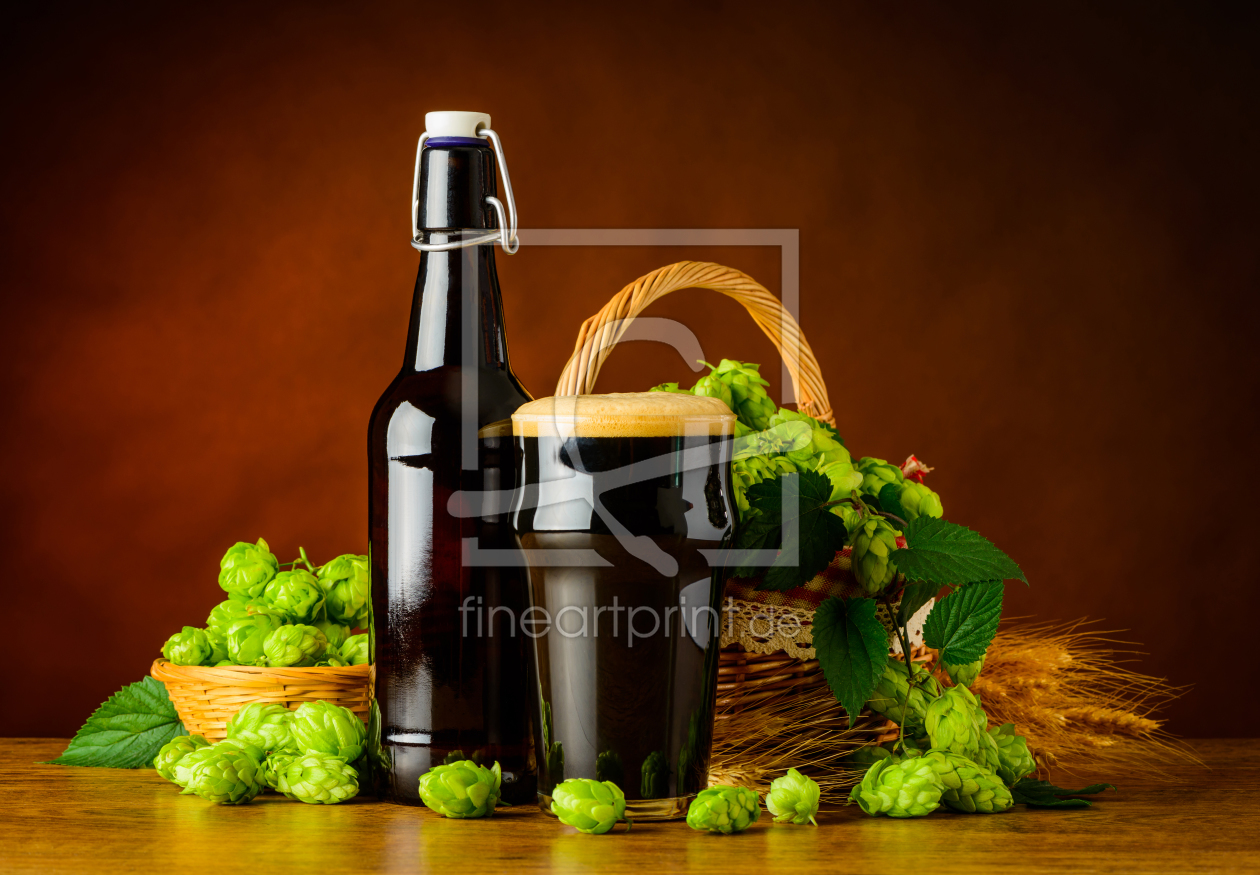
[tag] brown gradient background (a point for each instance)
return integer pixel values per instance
(1028, 255)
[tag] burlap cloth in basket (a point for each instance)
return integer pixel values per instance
(771, 622)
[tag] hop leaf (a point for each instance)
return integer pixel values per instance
(796, 504)
(852, 648)
(1043, 794)
(961, 626)
(127, 731)
(944, 552)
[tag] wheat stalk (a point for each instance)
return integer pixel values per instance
(1065, 687)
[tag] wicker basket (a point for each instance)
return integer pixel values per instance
(206, 698)
(745, 677)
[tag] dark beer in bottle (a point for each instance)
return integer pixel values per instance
(451, 670)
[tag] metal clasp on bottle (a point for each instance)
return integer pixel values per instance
(508, 224)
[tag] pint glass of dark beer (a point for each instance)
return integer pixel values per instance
(623, 512)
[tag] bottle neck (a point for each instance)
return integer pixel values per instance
(457, 311)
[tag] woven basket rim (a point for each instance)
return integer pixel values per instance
(164, 670)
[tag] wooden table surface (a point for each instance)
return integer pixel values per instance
(58, 819)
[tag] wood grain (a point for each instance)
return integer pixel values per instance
(59, 819)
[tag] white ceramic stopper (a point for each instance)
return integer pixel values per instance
(455, 124)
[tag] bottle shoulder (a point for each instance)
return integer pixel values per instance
(440, 393)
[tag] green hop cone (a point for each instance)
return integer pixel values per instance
(296, 595)
(218, 646)
(783, 437)
(336, 633)
(755, 469)
(181, 771)
(347, 582)
(592, 807)
(1015, 762)
(316, 778)
(254, 751)
(968, 787)
(899, 787)
(608, 767)
(222, 616)
(823, 449)
(246, 569)
(748, 393)
(851, 518)
(904, 705)
(266, 727)
(793, 799)
(461, 789)
(189, 647)
(322, 727)
(245, 637)
(711, 386)
(917, 500)
(877, 473)
(355, 650)
(724, 809)
(654, 776)
(275, 763)
(295, 645)
(224, 774)
(964, 675)
(670, 387)
(955, 722)
(174, 751)
(873, 544)
(331, 662)
(843, 476)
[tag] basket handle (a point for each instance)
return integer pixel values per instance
(600, 333)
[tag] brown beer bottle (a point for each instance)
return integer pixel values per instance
(451, 676)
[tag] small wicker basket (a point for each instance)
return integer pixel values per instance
(206, 698)
(750, 671)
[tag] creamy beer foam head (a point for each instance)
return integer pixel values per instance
(623, 414)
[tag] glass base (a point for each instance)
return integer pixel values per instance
(646, 810)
